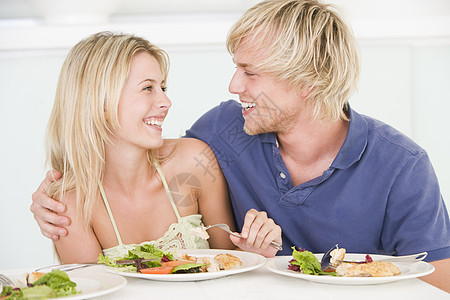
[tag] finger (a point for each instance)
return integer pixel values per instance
(248, 221)
(43, 215)
(41, 193)
(273, 235)
(50, 229)
(255, 228)
(53, 175)
(41, 199)
(50, 236)
(237, 240)
(262, 237)
(50, 176)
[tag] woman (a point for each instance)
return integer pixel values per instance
(104, 137)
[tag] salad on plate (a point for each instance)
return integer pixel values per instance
(148, 259)
(307, 263)
(41, 286)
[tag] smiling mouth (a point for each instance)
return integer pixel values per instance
(248, 105)
(154, 122)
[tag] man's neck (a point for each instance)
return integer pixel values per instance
(311, 147)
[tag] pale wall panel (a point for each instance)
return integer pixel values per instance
(385, 85)
(431, 115)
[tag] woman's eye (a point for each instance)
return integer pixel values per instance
(164, 88)
(148, 88)
(249, 74)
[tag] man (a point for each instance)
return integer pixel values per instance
(295, 148)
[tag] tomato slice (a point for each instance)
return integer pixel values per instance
(157, 270)
(174, 263)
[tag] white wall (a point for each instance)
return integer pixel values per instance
(405, 57)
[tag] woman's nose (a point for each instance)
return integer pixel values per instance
(165, 101)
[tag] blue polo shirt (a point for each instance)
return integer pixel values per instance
(380, 194)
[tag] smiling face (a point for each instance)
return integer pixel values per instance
(143, 104)
(268, 105)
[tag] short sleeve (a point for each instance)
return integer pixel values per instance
(416, 216)
(203, 128)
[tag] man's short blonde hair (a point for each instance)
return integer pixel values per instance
(307, 44)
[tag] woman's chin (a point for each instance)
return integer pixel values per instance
(156, 143)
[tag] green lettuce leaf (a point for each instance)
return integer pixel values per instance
(59, 281)
(186, 267)
(308, 263)
(54, 284)
(7, 290)
(146, 251)
(39, 292)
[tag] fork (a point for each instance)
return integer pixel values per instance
(5, 280)
(404, 258)
(326, 258)
(67, 267)
(227, 229)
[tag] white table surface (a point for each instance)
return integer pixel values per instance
(263, 284)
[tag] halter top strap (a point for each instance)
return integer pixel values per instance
(169, 194)
(102, 191)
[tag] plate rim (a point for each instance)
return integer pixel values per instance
(122, 283)
(260, 261)
(272, 266)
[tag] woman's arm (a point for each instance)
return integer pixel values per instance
(81, 245)
(212, 193)
(214, 205)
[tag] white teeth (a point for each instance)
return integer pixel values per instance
(154, 122)
(248, 105)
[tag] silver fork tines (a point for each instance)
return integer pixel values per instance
(5, 280)
(227, 229)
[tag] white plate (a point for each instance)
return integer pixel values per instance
(408, 270)
(91, 282)
(250, 261)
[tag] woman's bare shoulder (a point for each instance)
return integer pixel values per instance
(184, 148)
(188, 153)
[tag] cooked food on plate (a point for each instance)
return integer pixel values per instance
(373, 269)
(148, 259)
(228, 261)
(200, 232)
(305, 262)
(337, 254)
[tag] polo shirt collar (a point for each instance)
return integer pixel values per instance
(268, 138)
(354, 144)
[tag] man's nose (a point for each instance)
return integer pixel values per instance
(236, 86)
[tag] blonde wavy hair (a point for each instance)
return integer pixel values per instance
(85, 111)
(307, 44)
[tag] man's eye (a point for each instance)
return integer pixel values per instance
(249, 74)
